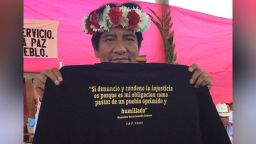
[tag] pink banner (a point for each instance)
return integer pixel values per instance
(200, 38)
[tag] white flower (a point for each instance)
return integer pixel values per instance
(93, 28)
(125, 12)
(144, 22)
(84, 24)
(105, 17)
(105, 22)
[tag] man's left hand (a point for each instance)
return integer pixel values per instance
(199, 77)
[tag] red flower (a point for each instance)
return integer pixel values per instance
(133, 19)
(95, 20)
(88, 26)
(115, 15)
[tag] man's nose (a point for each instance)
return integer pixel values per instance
(120, 48)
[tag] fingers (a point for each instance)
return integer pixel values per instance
(196, 73)
(204, 79)
(201, 80)
(208, 82)
(57, 74)
(192, 68)
(199, 77)
(39, 81)
(39, 85)
(54, 74)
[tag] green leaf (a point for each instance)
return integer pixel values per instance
(167, 21)
(154, 13)
(164, 26)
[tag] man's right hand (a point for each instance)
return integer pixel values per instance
(39, 81)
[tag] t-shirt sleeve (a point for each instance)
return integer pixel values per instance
(51, 127)
(212, 129)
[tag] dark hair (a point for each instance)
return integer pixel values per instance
(96, 37)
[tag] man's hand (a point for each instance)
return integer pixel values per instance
(39, 81)
(199, 77)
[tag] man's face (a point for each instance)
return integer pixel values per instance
(118, 46)
(224, 120)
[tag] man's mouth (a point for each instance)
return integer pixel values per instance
(119, 60)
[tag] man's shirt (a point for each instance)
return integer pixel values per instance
(128, 103)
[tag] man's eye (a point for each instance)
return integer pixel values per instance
(130, 39)
(109, 39)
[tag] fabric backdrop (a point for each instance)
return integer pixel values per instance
(200, 39)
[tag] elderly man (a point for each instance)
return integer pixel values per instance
(116, 38)
(225, 114)
(108, 116)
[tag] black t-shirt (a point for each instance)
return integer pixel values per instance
(128, 103)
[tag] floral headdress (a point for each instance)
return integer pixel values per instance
(129, 18)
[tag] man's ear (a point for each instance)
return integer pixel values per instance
(96, 52)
